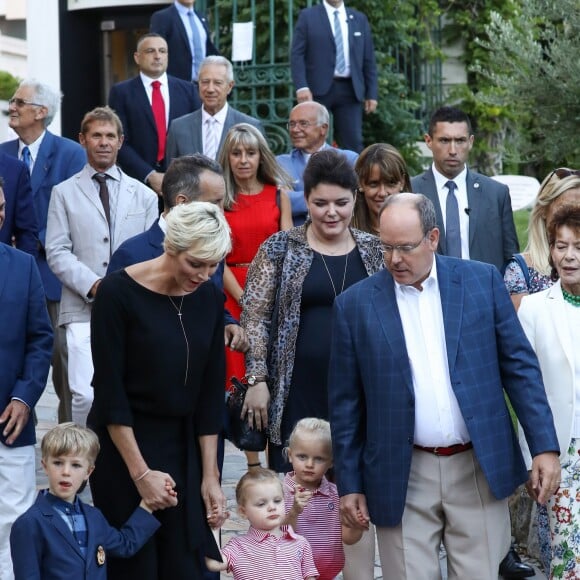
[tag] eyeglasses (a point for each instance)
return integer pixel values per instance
(563, 172)
(21, 102)
(403, 248)
(301, 124)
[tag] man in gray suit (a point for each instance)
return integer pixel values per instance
(474, 212)
(205, 130)
(89, 216)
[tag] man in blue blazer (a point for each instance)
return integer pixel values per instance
(25, 349)
(51, 160)
(20, 223)
(141, 156)
(423, 440)
(487, 230)
(308, 129)
(174, 24)
(333, 62)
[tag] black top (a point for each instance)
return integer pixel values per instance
(140, 354)
(308, 396)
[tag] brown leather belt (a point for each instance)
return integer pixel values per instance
(242, 265)
(446, 451)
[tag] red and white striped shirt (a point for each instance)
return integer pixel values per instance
(259, 555)
(320, 524)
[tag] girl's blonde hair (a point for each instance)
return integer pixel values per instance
(310, 426)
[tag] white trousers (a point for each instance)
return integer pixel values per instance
(17, 494)
(80, 369)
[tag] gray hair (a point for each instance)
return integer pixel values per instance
(215, 59)
(198, 228)
(322, 115)
(44, 95)
(422, 204)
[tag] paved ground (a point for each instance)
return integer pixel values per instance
(234, 468)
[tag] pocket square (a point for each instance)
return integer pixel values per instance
(357, 34)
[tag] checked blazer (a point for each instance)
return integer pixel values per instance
(371, 398)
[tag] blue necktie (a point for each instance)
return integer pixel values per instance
(196, 49)
(27, 160)
(340, 62)
(452, 229)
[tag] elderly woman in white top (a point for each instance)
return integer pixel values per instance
(551, 320)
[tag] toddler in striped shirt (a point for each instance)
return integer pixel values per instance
(312, 502)
(270, 550)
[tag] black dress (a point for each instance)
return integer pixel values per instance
(308, 394)
(170, 391)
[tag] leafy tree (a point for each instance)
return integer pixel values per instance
(534, 68)
(8, 85)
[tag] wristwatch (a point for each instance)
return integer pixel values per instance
(254, 380)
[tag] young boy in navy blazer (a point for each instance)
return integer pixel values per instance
(62, 538)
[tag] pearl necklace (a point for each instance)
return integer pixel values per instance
(179, 314)
(571, 298)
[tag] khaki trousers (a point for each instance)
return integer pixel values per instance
(448, 501)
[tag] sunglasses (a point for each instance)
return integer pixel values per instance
(562, 173)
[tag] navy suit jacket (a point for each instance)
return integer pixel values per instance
(168, 24)
(294, 163)
(138, 155)
(25, 336)
(44, 548)
(20, 219)
(149, 245)
(58, 159)
(313, 53)
(492, 233)
(372, 400)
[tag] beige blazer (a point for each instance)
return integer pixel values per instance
(543, 317)
(78, 244)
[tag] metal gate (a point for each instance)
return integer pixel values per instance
(264, 86)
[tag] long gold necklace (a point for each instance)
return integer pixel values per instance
(179, 314)
(330, 277)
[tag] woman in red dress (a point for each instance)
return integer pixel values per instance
(256, 206)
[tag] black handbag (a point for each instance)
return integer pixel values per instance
(242, 435)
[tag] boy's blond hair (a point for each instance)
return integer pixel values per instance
(257, 475)
(70, 439)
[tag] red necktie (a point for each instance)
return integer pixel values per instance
(158, 107)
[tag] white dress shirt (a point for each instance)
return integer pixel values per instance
(164, 88)
(220, 118)
(438, 419)
(462, 203)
